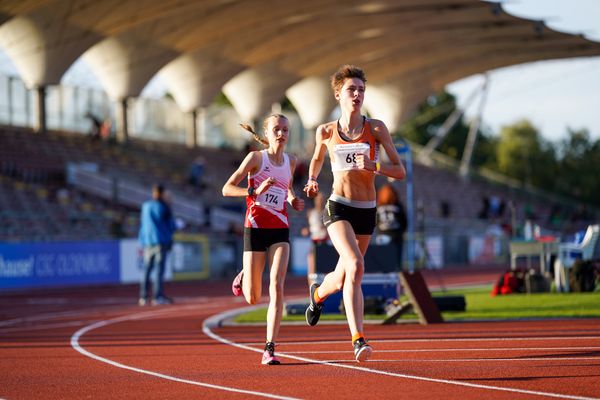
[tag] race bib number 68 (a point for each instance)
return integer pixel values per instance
(345, 155)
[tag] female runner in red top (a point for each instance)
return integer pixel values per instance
(266, 228)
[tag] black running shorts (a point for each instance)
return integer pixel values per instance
(362, 220)
(260, 239)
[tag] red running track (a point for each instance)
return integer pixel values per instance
(96, 343)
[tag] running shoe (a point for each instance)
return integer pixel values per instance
(313, 311)
(161, 301)
(236, 286)
(142, 302)
(362, 351)
(268, 357)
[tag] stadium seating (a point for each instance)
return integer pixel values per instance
(34, 168)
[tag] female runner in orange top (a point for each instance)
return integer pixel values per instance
(353, 144)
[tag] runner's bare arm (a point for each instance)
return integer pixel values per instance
(250, 164)
(316, 163)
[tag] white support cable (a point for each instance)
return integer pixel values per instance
(465, 162)
(434, 142)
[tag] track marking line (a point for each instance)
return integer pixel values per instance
(440, 360)
(215, 321)
(45, 327)
(90, 313)
(434, 340)
(132, 317)
(532, 349)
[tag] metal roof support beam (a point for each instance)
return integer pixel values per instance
(122, 125)
(191, 132)
(40, 126)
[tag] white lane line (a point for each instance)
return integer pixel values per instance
(89, 313)
(45, 327)
(436, 340)
(454, 350)
(440, 360)
(43, 317)
(77, 335)
(215, 321)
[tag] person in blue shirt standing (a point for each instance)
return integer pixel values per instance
(156, 239)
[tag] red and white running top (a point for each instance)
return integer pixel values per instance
(268, 210)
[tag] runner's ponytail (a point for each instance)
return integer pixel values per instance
(255, 135)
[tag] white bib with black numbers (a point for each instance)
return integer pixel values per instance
(345, 155)
(273, 198)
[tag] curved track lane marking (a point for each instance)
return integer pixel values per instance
(452, 350)
(486, 339)
(216, 320)
(443, 360)
(77, 335)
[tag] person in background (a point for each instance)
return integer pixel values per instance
(157, 226)
(95, 127)
(317, 232)
(197, 172)
(266, 227)
(391, 217)
(117, 226)
(353, 143)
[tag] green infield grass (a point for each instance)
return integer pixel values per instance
(481, 306)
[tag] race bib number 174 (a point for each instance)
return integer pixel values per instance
(273, 198)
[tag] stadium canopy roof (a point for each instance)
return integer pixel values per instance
(257, 51)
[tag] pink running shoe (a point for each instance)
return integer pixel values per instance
(236, 286)
(268, 357)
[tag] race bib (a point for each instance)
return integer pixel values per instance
(345, 155)
(273, 198)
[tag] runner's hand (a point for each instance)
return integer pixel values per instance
(265, 185)
(363, 162)
(311, 188)
(297, 204)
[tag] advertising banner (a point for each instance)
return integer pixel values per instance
(58, 264)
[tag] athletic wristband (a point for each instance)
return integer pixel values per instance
(377, 166)
(251, 191)
(312, 178)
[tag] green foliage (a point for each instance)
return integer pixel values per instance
(577, 176)
(429, 118)
(485, 154)
(524, 155)
(222, 100)
(287, 105)
(517, 151)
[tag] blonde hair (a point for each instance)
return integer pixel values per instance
(256, 136)
(345, 72)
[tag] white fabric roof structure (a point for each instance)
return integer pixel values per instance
(257, 51)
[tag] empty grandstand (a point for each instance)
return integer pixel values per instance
(66, 177)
